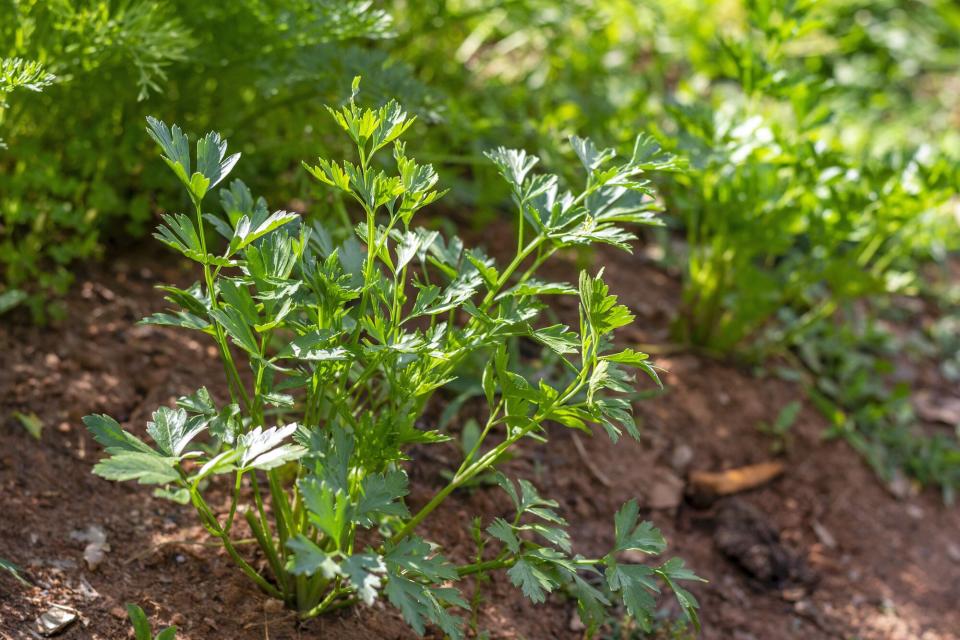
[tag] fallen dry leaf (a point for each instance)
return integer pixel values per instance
(708, 484)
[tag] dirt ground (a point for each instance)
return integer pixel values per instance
(823, 551)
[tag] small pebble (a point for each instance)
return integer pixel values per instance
(576, 624)
(953, 550)
(681, 458)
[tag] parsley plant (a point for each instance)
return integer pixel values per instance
(332, 353)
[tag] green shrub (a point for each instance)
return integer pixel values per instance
(347, 343)
(72, 178)
(777, 212)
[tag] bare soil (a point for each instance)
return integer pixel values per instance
(824, 551)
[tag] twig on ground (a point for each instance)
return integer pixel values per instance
(592, 468)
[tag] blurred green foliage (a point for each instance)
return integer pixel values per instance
(71, 177)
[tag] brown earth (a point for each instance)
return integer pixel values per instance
(824, 551)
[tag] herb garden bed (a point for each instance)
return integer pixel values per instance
(852, 559)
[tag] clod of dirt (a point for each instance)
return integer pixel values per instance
(55, 620)
(745, 536)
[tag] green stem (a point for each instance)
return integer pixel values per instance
(233, 502)
(229, 367)
(489, 458)
(211, 524)
(329, 603)
(489, 565)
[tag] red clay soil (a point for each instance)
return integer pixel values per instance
(825, 551)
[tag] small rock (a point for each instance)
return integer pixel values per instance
(178, 619)
(180, 558)
(953, 550)
(899, 485)
(576, 624)
(666, 492)
(94, 554)
(681, 458)
(55, 620)
(915, 511)
(824, 535)
(118, 612)
(86, 590)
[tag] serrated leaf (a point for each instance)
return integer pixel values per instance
(637, 359)
(111, 435)
(554, 535)
(503, 531)
(146, 468)
(409, 562)
(327, 507)
(173, 143)
(673, 570)
(558, 338)
(264, 448)
(534, 287)
(309, 559)
(590, 602)
(314, 346)
(382, 495)
(533, 582)
(246, 233)
(636, 585)
(212, 161)
(231, 319)
(420, 603)
(514, 164)
(363, 571)
(172, 431)
(416, 555)
(629, 534)
(600, 308)
(591, 157)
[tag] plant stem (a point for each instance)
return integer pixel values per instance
(489, 565)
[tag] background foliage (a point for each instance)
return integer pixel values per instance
(821, 141)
